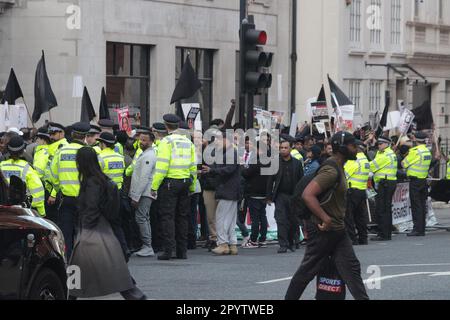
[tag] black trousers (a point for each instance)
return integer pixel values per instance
(356, 215)
(418, 191)
(51, 211)
(68, 222)
(204, 232)
(129, 225)
(383, 207)
(174, 211)
(320, 246)
(155, 225)
(287, 222)
(258, 216)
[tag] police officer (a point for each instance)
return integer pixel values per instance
(111, 163)
(57, 133)
(175, 176)
(91, 138)
(384, 168)
(40, 159)
(65, 178)
(107, 125)
(357, 173)
(295, 153)
(448, 170)
(160, 131)
(17, 166)
(417, 164)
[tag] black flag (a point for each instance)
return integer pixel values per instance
(383, 121)
(12, 90)
(322, 97)
(339, 98)
(87, 109)
(104, 111)
(44, 98)
(423, 116)
(187, 85)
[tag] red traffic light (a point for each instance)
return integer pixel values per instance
(253, 36)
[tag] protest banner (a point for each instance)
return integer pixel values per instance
(277, 118)
(13, 116)
(192, 115)
(123, 117)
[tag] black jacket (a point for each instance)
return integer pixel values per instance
(228, 179)
(255, 183)
(273, 182)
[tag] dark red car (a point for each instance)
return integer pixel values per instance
(32, 262)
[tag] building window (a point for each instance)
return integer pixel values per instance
(355, 21)
(354, 93)
(375, 96)
(375, 30)
(396, 8)
(128, 80)
(202, 62)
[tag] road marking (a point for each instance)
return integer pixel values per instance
(275, 280)
(415, 265)
(371, 280)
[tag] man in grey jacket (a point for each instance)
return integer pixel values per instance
(140, 191)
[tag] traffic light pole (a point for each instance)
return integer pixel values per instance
(242, 95)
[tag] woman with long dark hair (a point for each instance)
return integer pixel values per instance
(97, 252)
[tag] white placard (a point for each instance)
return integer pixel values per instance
(187, 108)
(77, 91)
(13, 116)
(393, 120)
(321, 127)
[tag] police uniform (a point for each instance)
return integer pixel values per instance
(417, 164)
(53, 148)
(22, 169)
(384, 168)
(448, 170)
(357, 174)
(40, 159)
(108, 125)
(111, 163)
(175, 176)
(95, 130)
(65, 178)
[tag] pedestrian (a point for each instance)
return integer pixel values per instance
(97, 252)
(417, 165)
(17, 166)
(256, 188)
(280, 189)
(357, 174)
(140, 191)
(384, 168)
(227, 195)
(326, 227)
(175, 177)
(312, 164)
(64, 178)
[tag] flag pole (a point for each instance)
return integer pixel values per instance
(28, 112)
(50, 115)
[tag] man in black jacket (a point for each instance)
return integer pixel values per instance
(227, 194)
(256, 185)
(280, 188)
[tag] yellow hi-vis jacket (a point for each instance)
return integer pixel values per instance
(64, 171)
(417, 162)
(21, 169)
(357, 172)
(384, 166)
(113, 165)
(176, 159)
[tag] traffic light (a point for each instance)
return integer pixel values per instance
(254, 61)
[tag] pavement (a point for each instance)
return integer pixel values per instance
(402, 269)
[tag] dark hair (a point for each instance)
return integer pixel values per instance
(217, 122)
(172, 126)
(151, 135)
(78, 136)
(88, 166)
(122, 137)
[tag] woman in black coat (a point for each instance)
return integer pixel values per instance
(97, 252)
